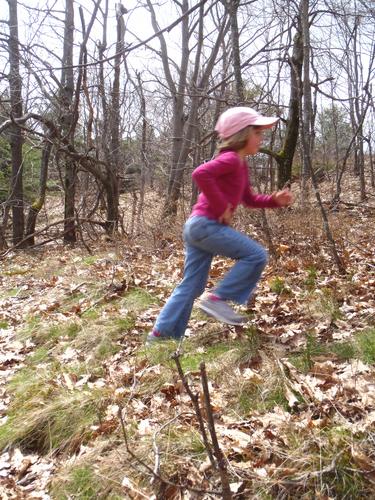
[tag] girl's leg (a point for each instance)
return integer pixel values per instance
(173, 318)
(218, 239)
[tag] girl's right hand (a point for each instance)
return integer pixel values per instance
(226, 217)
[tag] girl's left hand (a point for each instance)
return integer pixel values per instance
(283, 198)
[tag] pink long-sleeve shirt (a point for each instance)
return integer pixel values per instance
(224, 180)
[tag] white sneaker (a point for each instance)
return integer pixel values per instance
(221, 311)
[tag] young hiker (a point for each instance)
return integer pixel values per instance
(224, 184)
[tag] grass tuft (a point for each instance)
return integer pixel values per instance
(43, 417)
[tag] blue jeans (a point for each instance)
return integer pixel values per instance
(203, 239)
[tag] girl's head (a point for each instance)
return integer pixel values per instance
(240, 128)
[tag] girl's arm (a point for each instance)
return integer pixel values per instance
(250, 199)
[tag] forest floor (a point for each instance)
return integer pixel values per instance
(88, 412)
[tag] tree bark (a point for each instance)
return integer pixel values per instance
(232, 7)
(15, 135)
(306, 132)
(67, 81)
(285, 157)
(39, 202)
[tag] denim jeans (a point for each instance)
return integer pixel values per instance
(203, 239)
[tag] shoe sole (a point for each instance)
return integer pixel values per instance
(217, 316)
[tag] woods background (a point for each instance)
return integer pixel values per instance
(102, 102)
(105, 110)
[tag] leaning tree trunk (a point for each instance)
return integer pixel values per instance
(15, 88)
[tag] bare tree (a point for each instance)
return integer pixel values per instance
(15, 135)
(66, 96)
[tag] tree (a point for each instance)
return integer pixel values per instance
(67, 118)
(333, 134)
(15, 134)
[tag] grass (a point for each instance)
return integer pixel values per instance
(324, 302)
(46, 415)
(90, 260)
(48, 335)
(362, 347)
(43, 417)
(277, 285)
(312, 275)
(84, 483)
(138, 299)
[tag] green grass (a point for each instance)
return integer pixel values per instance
(43, 417)
(4, 324)
(365, 344)
(362, 346)
(81, 484)
(90, 260)
(49, 335)
(106, 348)
(312, 275)
(138, 299)
(40, 355)
(12, 292)
(304, 360)
(249, 396)
(16, 271)
(277, 285)
(91, 314)
(85, 483)
(177, 440)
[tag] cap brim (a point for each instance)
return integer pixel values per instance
(265, 121)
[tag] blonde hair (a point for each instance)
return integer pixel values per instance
(236, 141)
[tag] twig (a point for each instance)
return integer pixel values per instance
(155, 446)
(194, 399)
(149, 469)
(221, 460)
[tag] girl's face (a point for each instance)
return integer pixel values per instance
(254, 141)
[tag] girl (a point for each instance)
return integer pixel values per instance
(224, 184)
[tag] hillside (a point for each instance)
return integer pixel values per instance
(292, 391)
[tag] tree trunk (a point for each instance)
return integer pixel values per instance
(113, 185)
(39, 202)
(235, 43)
(285, 157)
(306, 132)
(67, 81)
(178, 164)
(144, 160)
(15, 135)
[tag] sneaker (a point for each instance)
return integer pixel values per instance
(221, 311)
(154, 337)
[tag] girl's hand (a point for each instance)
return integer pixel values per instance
(226, 217)
(283, 198)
